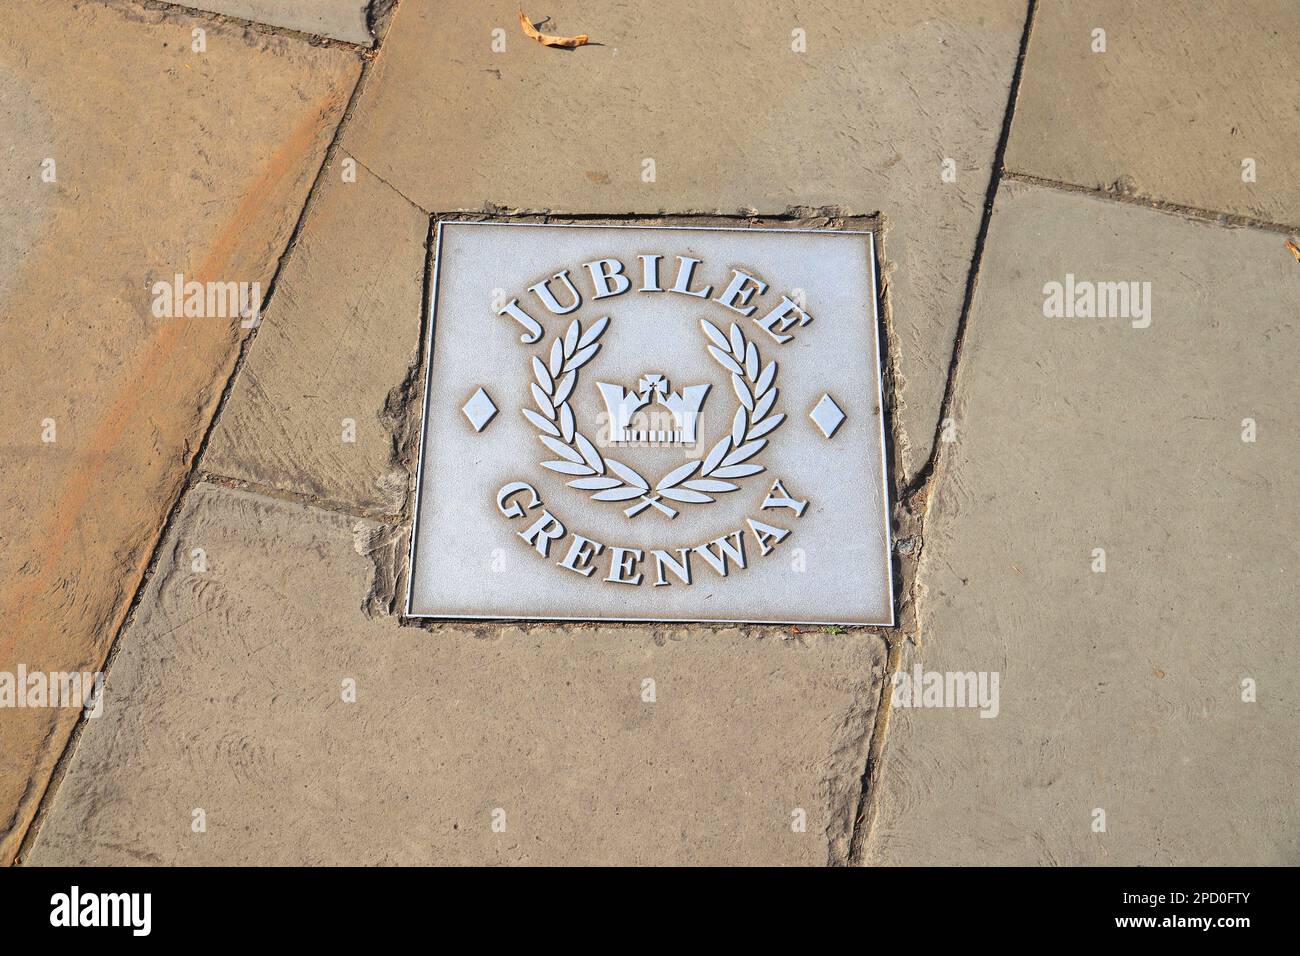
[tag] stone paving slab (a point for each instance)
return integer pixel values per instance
(323, 391)
(338, 19)
(1183, 95)
(226, 697)
(709, 108)
(164, 161)
(1120, 690)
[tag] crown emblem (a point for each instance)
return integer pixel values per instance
(622, 405)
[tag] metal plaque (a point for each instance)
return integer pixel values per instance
(640, 423)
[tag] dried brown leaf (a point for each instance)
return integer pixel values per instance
(546, 39)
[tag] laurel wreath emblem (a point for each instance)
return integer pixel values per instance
(692, 483)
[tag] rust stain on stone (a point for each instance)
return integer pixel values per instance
(70, 503)
(130, 440)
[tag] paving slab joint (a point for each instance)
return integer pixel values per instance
(401, 411)
(381, 179)
(857, 740)
(385, 547)
(913, 496)
(919, 482)
(1120, 192)
(345, 509)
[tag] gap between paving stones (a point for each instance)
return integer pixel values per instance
(381, 179)
(913, 503)
(397, 416)
(1117, 193)
(346, 509)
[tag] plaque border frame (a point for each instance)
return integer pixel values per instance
(431, 303)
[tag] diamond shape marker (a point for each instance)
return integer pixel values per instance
(480, 410)
(827, 415)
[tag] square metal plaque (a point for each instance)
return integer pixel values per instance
(631, 423)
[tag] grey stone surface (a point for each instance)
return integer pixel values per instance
(338, 19)
(1183, 93)
(226, 697)
(732, 119)
(1119, 690)
(339, 343)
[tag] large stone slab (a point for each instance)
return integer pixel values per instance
(227, 697)
(323, 392)
(709, 108)
(338, 19)
(1181, 97)
(164, 161)
(1120, 690)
